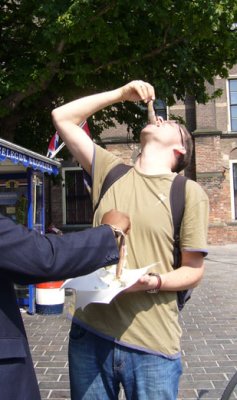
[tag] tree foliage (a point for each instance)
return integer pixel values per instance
(53, 51)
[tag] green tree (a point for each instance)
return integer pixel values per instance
(53, 51)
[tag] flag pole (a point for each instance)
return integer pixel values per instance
(57, 150)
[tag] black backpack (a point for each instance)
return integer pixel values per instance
(177, 204)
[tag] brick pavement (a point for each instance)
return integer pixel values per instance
(209, 341)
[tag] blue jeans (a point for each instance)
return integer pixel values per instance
(98, 366)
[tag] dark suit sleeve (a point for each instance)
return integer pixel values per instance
(28, 257)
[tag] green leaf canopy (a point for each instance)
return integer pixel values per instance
(57, 50)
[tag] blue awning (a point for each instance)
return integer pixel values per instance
(29, 159)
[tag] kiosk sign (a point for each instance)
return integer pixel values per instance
(26, 160)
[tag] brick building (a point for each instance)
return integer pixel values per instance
(214, 166)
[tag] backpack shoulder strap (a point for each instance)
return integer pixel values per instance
(177, 204)
(113, 175)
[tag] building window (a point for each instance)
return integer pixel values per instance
(160, 108)
(77, 207)
(233, 104)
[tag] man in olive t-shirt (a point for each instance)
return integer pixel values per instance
(135, 340)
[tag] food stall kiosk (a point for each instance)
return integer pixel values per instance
(22, 193)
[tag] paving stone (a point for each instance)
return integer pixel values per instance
(54, 385)
(54, 364)
(60, 394)
(209, 342)
(47, 377)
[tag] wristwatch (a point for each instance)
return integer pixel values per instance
(158, 286)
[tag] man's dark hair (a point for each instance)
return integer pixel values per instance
(183, 160)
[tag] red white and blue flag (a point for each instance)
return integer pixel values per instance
(84, 125)
(54, 147)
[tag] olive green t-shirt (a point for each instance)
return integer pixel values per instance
(140, 320)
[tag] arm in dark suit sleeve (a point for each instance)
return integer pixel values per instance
(28, 257)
